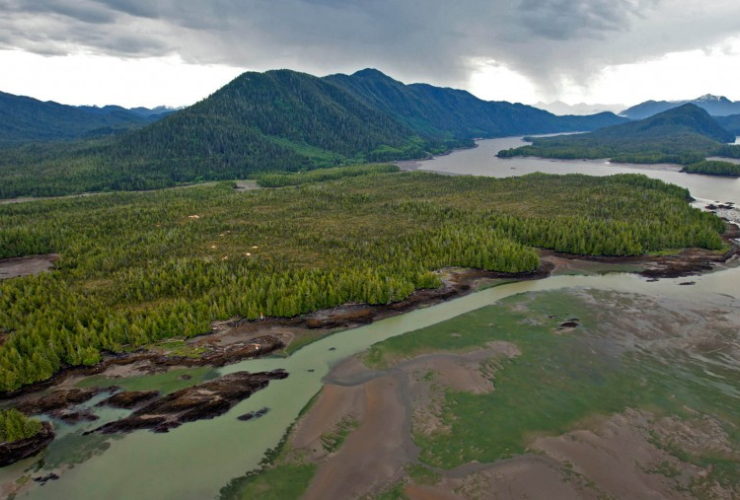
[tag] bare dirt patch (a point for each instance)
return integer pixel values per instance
(26, 266)
(386, 404)
(374, 453)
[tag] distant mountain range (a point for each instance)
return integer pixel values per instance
(284, 120)
(685, 134)
(561, 108)
(24, 119)
(714, 105)
(147, 113)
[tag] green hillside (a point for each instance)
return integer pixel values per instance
(23, 120)
(683, 135)
(731, 123)
(277, 121)
(441, 112)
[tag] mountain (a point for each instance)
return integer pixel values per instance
(731, 123)
(680, 135)
(280, 120)
(442, 112)
(24, 119)
(147, 114)
(685, 120)
(714, 105)
(561, 108)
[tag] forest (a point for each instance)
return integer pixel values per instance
(324, 174)
(685, 135)
(713, 167)
(15, 426)
(136, 268)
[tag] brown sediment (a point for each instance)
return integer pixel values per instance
(625, 455)
(26, 266)
(388, 407)
(415, 492)
(621, 457)
(375, 452)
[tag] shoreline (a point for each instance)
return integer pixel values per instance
(236, 340)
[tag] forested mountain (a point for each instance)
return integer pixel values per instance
(730, 123)
(444, 112)
(279, 121)
(148, 114)
(714, 105)
(685, 135)
(24, 119)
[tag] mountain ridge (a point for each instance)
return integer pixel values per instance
(281, 120)
(684, 135)
(26, 119)
(713, 104)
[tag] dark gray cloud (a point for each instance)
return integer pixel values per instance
(429, 40)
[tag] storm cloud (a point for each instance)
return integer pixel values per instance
(415, 40)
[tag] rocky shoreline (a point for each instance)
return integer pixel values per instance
(18, 450)
(204, 401)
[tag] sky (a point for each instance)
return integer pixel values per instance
(176, 52)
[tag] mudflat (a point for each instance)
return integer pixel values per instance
(652, 421)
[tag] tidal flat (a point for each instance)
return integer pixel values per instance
(578, 393)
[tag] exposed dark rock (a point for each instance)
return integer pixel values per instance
(18, 450)
(74, 417)
(44, 479)
(203, 401)
(57, 400)
(129, 399)
(253, 415)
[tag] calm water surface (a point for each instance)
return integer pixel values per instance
(483, 161)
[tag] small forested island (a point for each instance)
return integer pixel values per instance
(20, 436)
(713, 167)
(685, 135)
